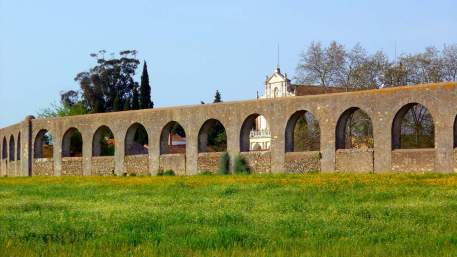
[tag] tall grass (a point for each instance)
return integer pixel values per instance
(270, 215)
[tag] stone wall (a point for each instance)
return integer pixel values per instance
(381, 105)
(258, 161)
(103, 166)
(302, 162)
(137, 164)
(72, 166)
(12, 169)
(413, 160)
(43, 167)
(354, 160)
(175, 162)
(209, 161)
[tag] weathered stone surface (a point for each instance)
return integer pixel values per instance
(258, 161)
(72, 166)
(354, 160)
(413, 160)
(380, 105)
(302, 162)
(43, 167)
(12, 168)
(103, 166)
(137, 164)
(175, 162)
(209, 161)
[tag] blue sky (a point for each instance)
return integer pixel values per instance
(195, 47)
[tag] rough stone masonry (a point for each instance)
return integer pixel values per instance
(18, 141)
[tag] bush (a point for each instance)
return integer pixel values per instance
(224, 164)
(205, 173)
(240, 165)
(168, 173)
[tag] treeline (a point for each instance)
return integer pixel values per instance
(337, 66)
(108, 86)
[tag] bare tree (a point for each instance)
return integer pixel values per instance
(450, 62)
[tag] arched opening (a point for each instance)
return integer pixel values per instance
(43, 146)
(173, 139)
(4, 149)
(103, 142)
(11, 150)
(212, 137)
(255, 131)
(72, 143)
(18, 147)
(136, 140)
(354, 130)
(413, 128)
(302, 133)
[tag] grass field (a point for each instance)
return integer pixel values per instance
(270, 215)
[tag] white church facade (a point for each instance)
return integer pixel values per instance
(276, 85)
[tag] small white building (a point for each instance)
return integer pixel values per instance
(276, 85)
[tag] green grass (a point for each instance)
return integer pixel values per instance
(270, 215)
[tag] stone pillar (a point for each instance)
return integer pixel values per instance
(57, 151)
(154, 151)
(87, 152)
(277, 146)
(327, 126)
(119, 153)
(24, 162)
(192, 151)
(233, 143)
(443, 141)
(382, 123)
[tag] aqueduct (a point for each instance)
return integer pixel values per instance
(135, 141)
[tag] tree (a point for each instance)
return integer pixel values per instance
(450, 62)
(117, 104)
(109, 79)
(145, 90)
(135, 99)
(217, 97)
(334, 66)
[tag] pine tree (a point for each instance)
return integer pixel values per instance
(217, 97)
(145, 90)
(135, 99)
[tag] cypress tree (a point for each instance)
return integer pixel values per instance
(145, 89)
(135, 99)
(217, 97)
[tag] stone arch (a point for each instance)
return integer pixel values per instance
(212, 137)
(413, 128)
(43, 145)
(354, 129)
(11, 148)
(18, 147)
(136, 140)
(172, 138)
(103, 143)
(254, 130)
(72, 143)
(302, 132)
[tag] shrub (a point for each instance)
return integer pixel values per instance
(240, 165)
(205, 173)
(168, 173)
(224, 164)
